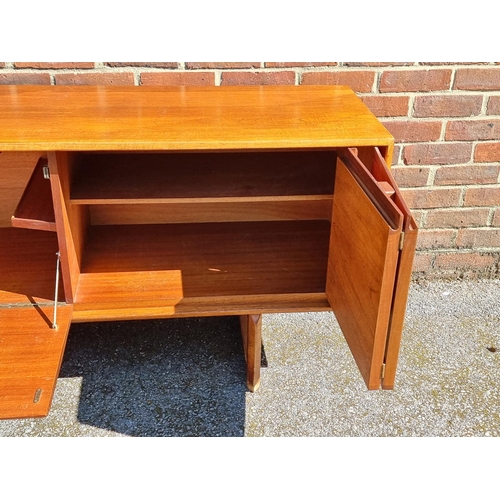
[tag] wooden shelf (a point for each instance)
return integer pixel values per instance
(250, 209)
(35, 209)
(199, 306)
(204, 187)
(202, 177)
(164, 265)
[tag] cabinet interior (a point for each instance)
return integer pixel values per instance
(168, 230)
(201, 226)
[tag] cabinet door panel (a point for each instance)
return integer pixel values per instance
(30, 357)
(403, 274)
(362, 264)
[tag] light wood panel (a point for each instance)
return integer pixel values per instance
(15, 171)
(362, 263)
(35, 209)
(216, 259)
(71, 221)
(129, 289)
(27, 267)
(227, 211)
(31, 357)
(201, 177)
(403, 275)
(84, 118)
(202, 270)
(189, 307)
(251, 332)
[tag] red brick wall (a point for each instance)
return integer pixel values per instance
(445, 118)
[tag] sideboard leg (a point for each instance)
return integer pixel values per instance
(251, 332)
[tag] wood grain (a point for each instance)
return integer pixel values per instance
(27, 267)
(362, 266)
(251, 332)
(403, 275)
(371, 187)
(35, 209)
(15, 171)
(217, 259)
(71, 221)
(188, 307)
(172, 177)
(91, 118)
(31, 355)
(228, 211)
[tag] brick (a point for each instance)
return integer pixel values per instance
(222, 65)
(431, 198)
(95, 79)
(171, 65)
(258, 78)
(55, 65)
(418, 215)
(426, 106)
(489, 151)
(411, 176)
(457, 261)
(473, 130)
(467, 174)
(449, 63)
(411, 131)
(359, 81)
(178, 78)
(477, 79)
(458, 217)
(437, 153)
(493, 105)
(383, 105)
(479, 238)
(395, 155)
(415, 80)
(482, 197)
(496, 218)
(378, 64)
(299, 64)
(432, 239)
(24, 79)
(422, 262)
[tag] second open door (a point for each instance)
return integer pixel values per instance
(364, 263)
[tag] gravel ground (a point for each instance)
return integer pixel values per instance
(187, 377)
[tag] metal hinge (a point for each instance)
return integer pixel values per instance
(46, 172)
(401, 240)
(382, 371)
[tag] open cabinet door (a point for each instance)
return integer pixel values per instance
(363, 261)
(403, 273)
(31, 354)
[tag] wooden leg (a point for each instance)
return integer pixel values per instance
(251, 332)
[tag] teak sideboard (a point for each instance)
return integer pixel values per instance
(122, 203)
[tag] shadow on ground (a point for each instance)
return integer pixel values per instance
(180, 377)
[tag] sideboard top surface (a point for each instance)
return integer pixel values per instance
(109, 118)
